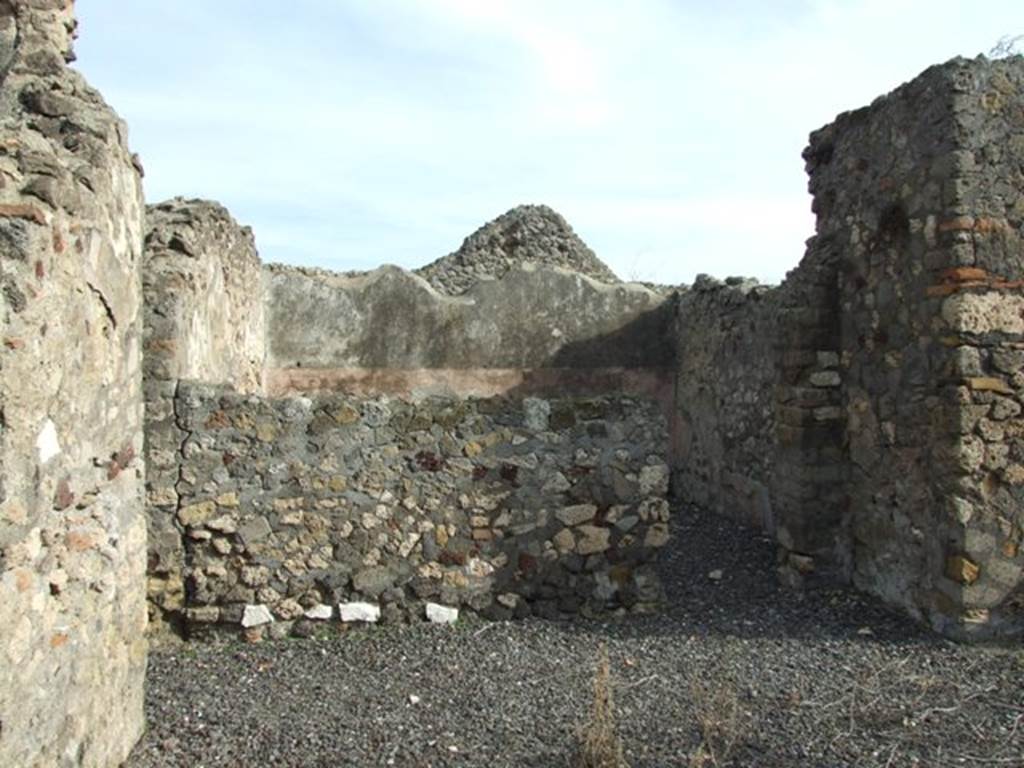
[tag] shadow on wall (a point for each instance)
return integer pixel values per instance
(636, 358)
(644, 342)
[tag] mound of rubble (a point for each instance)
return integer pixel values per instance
(533, 233)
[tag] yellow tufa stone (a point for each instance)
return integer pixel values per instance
(456, 579)
(989, 384)
(266, 432)
(227, 500)
(962, 570)
(244, 422)
(346, 414)
(161, 497)
(196, 514)
(593, 539)
(494, 438)
(657, 535)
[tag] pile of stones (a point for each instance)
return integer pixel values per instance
(527, 233)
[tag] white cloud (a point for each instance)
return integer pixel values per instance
(567, 72)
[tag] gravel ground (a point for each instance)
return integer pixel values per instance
(827, 678)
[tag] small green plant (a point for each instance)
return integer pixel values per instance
(599, 742)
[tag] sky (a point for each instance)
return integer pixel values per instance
(354, 133)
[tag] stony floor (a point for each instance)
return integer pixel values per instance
(776, 678)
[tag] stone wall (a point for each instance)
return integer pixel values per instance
(869, 411)
(204, 303)
(72, 530)
(758, 410)
(531, 329)
(982, 226)
(503, 507)
(865, 410)
(921, 196)
(204, 313)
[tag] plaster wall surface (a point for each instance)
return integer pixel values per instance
(390, 325)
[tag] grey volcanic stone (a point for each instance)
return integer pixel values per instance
(526, 233)
(535, 414)
(373, 581)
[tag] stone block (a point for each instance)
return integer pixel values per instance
(657, 535)
(653, 480)
(319, 612)
(576, 515)
(253, 531)
(368, 613)
(256, 616)
(441, 614)
(373, 581)
(196, 514)
(593, 539)
(825, 379)
(962, 570)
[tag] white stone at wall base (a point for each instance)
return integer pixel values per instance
(319, 612)
(256, 616)
(442, 614)
(367, 612)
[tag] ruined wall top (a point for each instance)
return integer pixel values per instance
(36, 36)
(204, 303)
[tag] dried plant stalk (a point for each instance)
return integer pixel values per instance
(599, 742)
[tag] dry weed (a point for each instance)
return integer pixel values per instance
(599, 742)
(720, 718)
